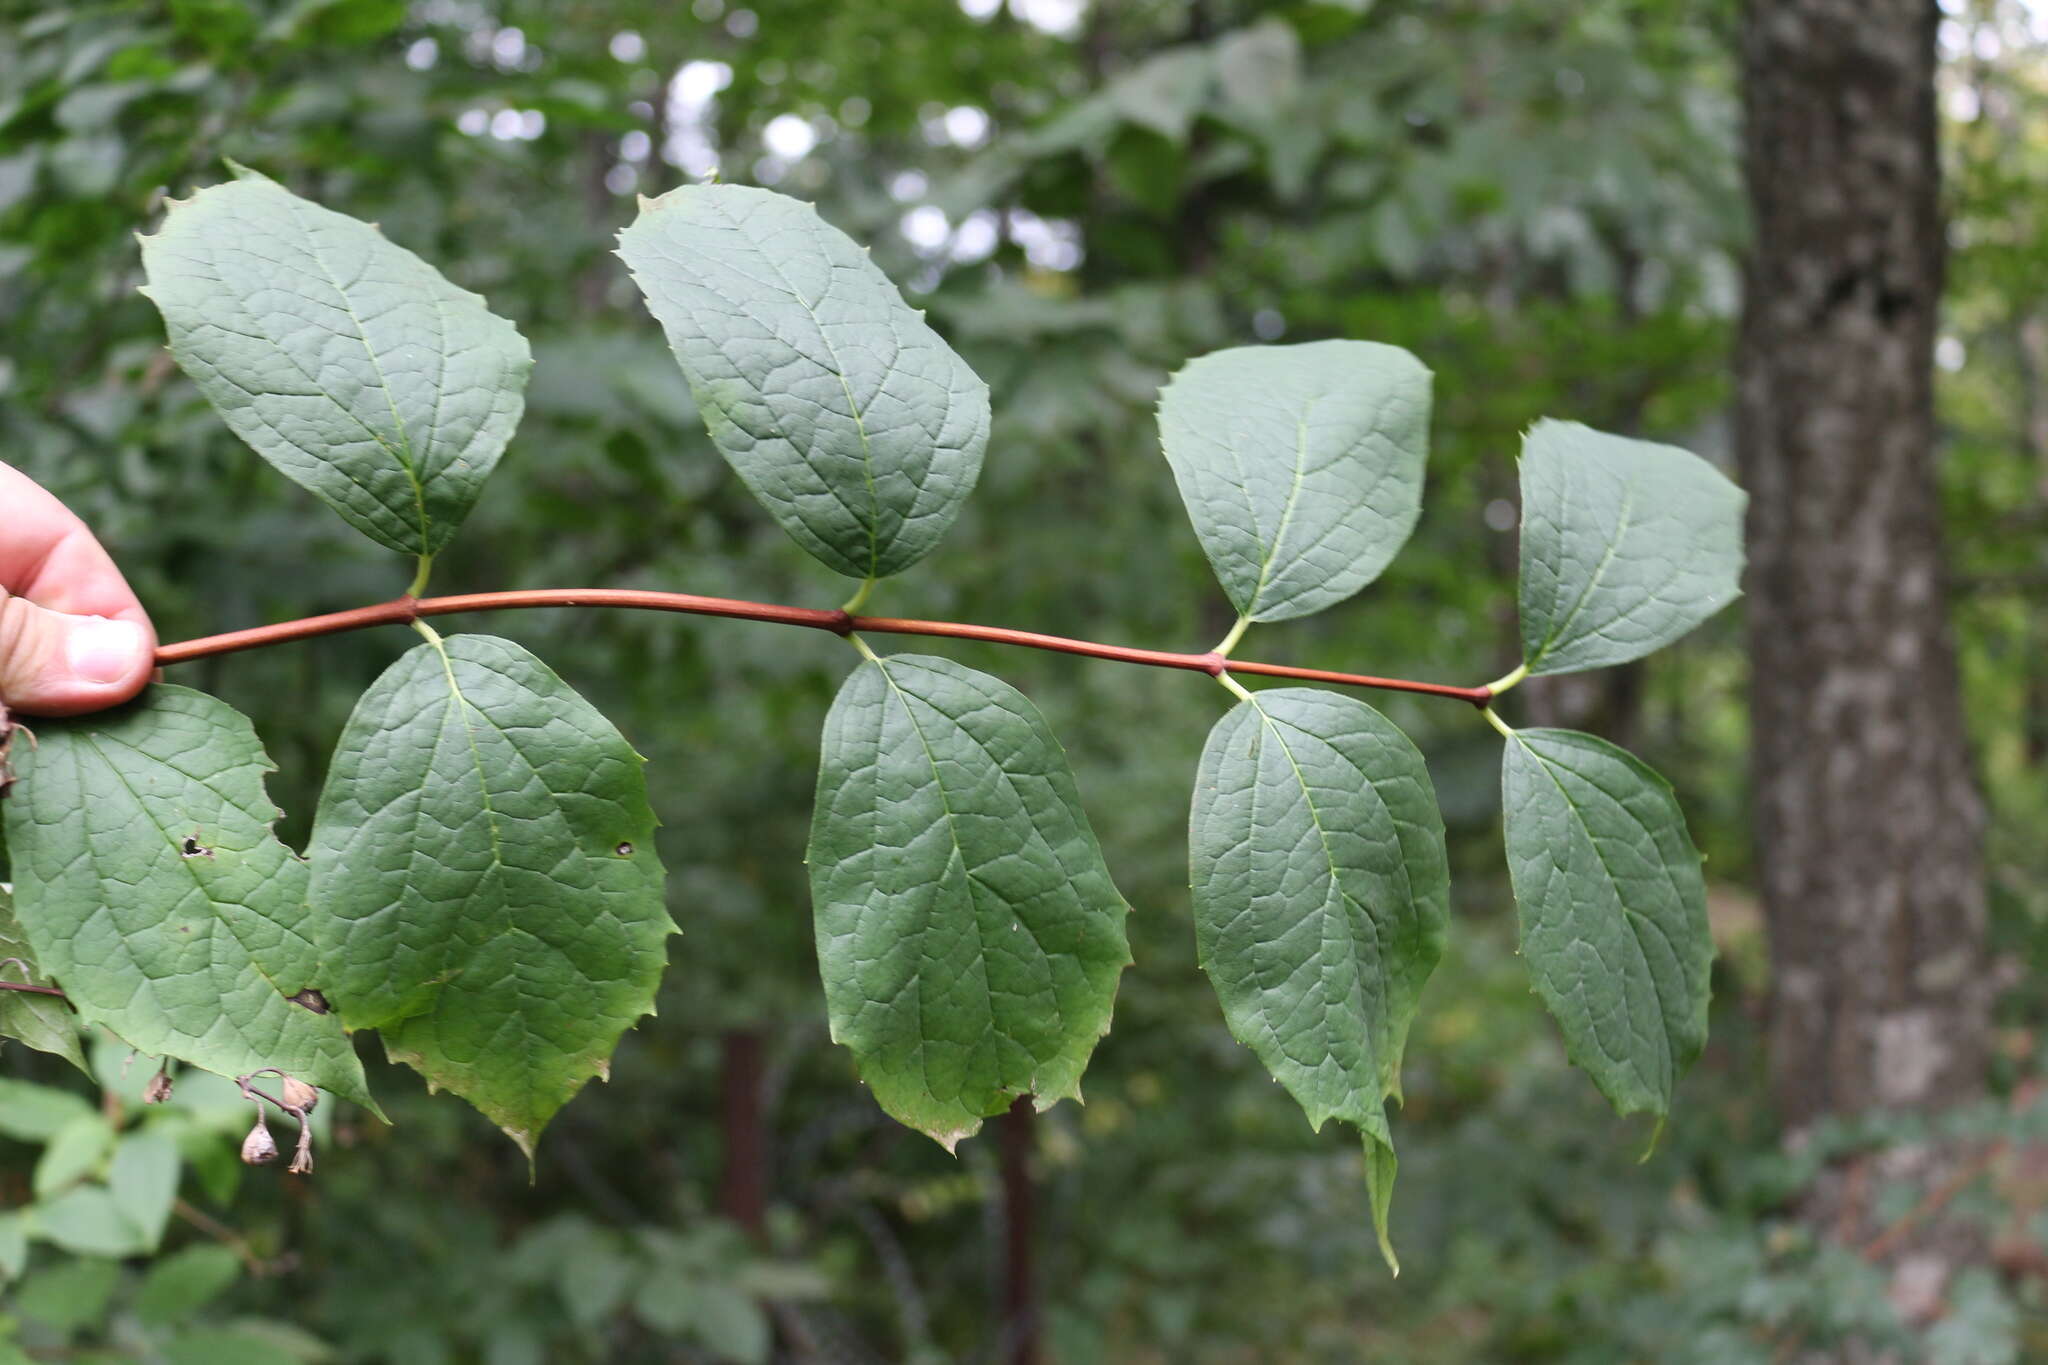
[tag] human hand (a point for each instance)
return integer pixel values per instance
(72, 636)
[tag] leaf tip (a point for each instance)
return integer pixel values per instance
(949, 1138)
(1656, 1133)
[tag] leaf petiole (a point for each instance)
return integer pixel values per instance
(860, 597)
(1502, 684)
(419, 580)
(1229, 642)
(1234, 687)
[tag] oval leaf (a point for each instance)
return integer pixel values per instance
(149, 882)
(485, 878)
(1321, 893)
(144, 1182)
(1301, 467)
(42, 1022)
(848, 417)
(1626, 545)
(969, 935)
(1613, 911)
(341, 358)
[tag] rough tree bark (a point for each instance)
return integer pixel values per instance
(1868, 819)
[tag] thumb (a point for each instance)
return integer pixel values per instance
(52, 664)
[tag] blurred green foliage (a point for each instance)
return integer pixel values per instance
(1541, 201)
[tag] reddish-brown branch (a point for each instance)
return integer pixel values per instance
(406, 609)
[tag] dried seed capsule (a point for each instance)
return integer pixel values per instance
(259, 1148)
(298, 1095)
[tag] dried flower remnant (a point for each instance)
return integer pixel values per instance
(259, 1148)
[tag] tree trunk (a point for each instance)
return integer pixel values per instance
(1867, 816)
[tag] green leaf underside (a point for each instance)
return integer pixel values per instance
(1301, 467)
(343, 359)
(1321, 893)
(150, 885)
(850, 419)
(1613, 911)
(1626, 546)
(485, 880)
(42, 1022)
(969, 935)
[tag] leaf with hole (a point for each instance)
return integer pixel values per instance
(851, 420)
(340, 357)
(1301, 467)
(1321, 893)
(1613, 910)
(969, 935)
(1626, 546)
(485, 879)
(150, 885)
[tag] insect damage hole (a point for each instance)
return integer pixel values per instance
(624, 850)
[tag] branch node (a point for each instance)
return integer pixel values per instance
(1214, 663)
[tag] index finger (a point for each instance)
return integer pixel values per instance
(50, 557)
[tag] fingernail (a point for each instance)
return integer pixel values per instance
(102, 651)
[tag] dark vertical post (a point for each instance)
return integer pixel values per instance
(743, 1192)
(1021, 1319)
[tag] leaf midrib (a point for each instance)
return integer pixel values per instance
(403, 451)
(967, 871)
(1336, 881)
(1628, 912)
(1621, 527)
(867, 462)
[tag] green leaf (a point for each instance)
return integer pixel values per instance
(848, 417)
(1321, 893)
(74, 1152)
(343, 359)
(85, 1219)
(1613, 911)
(150, 884)
(969, 935)
(1165, 92)
(227, 1346)
(144, 1181)
(732, 1326)
(1259, 68)
(485, 879)
(1626, 545)
(185, 1281)
(42, 1022)
(1301, 467)
(68, 1297)
(13, 1243)
(35, 1113)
